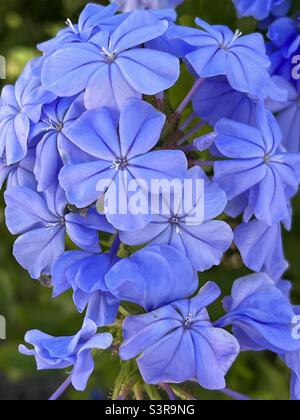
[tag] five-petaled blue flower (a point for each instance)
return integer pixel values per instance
(113, 67)
(288, 114)
(131, 5)
(217, 99)
(116, 156)
(260, 314)
(93, 18)
(20, 106)
(53, 144)
(19, 174)
(85, 273)
(65, 352)
(261, 9)
(220, 52)
(261, 248)
(258, 165)
(201, 239)
(42, 221)
(178, 342)
(292, 360)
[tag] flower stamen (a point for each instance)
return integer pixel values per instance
(120, 164)
(110, 55)
(69, 23)
(236, 36)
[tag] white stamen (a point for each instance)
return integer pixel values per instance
(52, 125)
(52, 226)
(70, 24)
(236, 36)
(110, 55)
(119, 164)
(189, 319)
(115, 165)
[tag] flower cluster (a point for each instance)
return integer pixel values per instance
(90, 116)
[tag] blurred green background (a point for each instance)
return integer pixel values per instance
(27, 305)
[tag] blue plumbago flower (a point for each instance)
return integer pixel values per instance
(178, 342)
(261, 9)
(203, 243)
(260, 314)
(114, 64)
(53, 143)
(21, 106)
(19, 174)
(131, 5)
(93, 18)
(43, 224)
(168, 42)
(261, 248)
(258, 166)
(285, 35)
(119, 155)
(292, 359)
(64, 352)
(217, 99)
(220, 52)
(153, 277)
(84, 273)
(285, 44)
(288, 114)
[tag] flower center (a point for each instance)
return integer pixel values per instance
(54, 125)
(236, 36)
(267, 159)
(174, 220)
(120, 164)
(188, 321)
(110, 55)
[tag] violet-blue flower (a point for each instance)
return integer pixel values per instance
(202, 241)
(21, 106)
(220, 52)
(261, 9)
(292, 360)
(257, 165)
(288, 114)
(260, 314)
(284, 34)
(131, 5)
(153, 277)
(119, 155)
(84, 273)
(65, 352)
(42, 221)
(53, 144)
(92, 18)
(261, 248)
(178, 342)
(113, 67)
(217, 99)
(19, 174)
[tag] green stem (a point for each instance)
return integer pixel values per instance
(153, 393)
(124, 312)
(138, 391)
(183, 395)
(121, 380)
